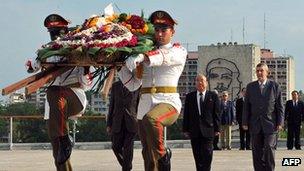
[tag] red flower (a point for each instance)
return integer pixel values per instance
(133, 41)
(136, 22)
(56, 46)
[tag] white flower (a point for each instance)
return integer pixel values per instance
(126, 34)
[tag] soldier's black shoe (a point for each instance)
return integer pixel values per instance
(164, 163)
(65, 149)
(217, 148)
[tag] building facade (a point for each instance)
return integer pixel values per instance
(98, 104)
(38, 98)
(186, 82)
(228, 67)
(281, 70)
(16, 97)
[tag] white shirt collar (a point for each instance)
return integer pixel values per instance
(264, 82)
(198, 93)
(167, 46)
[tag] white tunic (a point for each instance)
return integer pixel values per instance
(75, 75)
(164, 69)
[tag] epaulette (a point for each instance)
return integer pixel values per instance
(176, 44)
(153, 52)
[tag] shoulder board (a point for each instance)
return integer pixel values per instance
(176, 44)
(153, 52)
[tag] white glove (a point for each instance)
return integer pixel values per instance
(133, 61)
(128, 79)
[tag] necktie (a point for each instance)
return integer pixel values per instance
(261, 88)
(201, 102)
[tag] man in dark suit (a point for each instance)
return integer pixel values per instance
(201, 122)
(264, 113)
(244, 134)
(122, 123)
(227, 120)
(294, 111)
(216, 136)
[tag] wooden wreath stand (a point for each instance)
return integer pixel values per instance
(52, 70)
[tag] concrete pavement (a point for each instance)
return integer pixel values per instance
(104, 160)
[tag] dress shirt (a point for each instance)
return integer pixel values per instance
(198, 96)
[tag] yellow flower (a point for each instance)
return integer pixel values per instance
(145, 29)
(92, 22)
(112, 18)
(107, 28)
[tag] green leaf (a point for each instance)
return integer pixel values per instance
(150, 29)
(110, 50)
(125, 49)
(43, 51)
(145, 42)
(141, 49)
(93, 51)
(79, 49)
(60, 52)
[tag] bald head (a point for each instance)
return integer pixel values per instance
(201, 82)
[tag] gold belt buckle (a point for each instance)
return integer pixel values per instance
(153, 90)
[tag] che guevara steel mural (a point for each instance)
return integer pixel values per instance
(224, 75)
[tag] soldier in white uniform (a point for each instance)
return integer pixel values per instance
(65, 98)
(159, 104)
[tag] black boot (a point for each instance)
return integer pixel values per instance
(164, 163)
(65, 149)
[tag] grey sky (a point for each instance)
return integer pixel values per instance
(200, 22)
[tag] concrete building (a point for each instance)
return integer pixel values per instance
(98, 104)
(16, 98)
(37, 98)
(228, 67)
(186, 82)
(282, 70)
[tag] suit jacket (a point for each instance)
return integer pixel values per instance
(227, 113)
(208, 123)
(263, 111)
(239, 110)
(294, 114)
(122, 108)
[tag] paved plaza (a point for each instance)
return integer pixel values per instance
(104, 160)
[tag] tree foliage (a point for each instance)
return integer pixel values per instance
(24, 130)
(92, 130)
